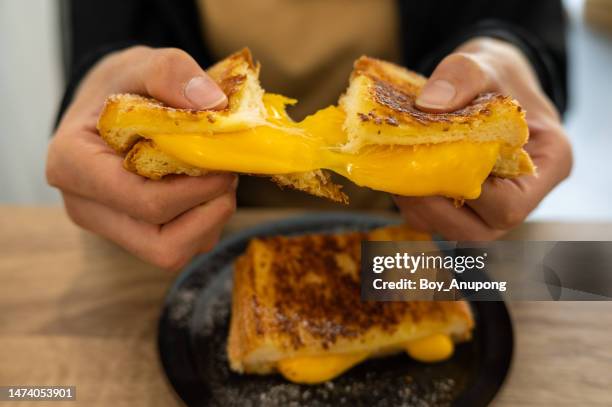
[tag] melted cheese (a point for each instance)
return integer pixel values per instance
(318, 369)
(434, 348)
(283, 146)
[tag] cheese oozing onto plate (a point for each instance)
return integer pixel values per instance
(282, 146)
(318, 369)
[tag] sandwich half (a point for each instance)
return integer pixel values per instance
(158, 140)
(297, 310)
(375, 137)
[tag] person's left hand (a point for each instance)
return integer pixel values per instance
(489, 65)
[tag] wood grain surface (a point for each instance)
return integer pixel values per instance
(78, 310)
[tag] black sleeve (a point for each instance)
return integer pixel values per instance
(94, 28)
(537, 27)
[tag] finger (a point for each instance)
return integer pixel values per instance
(170, 246)
(502, 203)
(167, 74)
(174, 77)
(455, 82)
(101, 177)
(411, 218)
(505, 203)
(449, 221)
(204, 222)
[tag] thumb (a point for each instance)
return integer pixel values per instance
(455, 82)
(175, 78)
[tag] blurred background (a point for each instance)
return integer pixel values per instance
(31, 85)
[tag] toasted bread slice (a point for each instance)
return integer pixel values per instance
(127, 118)
(296, 297)
(380, 109)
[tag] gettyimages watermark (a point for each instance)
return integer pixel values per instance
(486, 271)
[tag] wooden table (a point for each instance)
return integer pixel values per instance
(77, 310)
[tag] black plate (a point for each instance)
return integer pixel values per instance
(194, 326)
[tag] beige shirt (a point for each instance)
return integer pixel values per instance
(306, 49)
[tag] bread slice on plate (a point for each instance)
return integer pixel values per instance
(296, 309)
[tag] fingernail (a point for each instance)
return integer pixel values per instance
(235, 182)
(437, 95)
(203, 93)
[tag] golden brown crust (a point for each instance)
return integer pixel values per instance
(227, 69)
(395, 90)
(384, 71)
(295, 295)
(317, 182)
(229, 73)
(242, 325)
(146, 160)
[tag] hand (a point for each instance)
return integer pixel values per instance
(164, 222)
(485, 65)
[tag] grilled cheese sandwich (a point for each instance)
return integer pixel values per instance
(375, 136)
(296, 310)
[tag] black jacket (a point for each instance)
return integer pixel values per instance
(430, 29)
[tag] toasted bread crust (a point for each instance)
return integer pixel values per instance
(146, 160)
(301, 296)
(316, 183)
(227, 72)
(395, 89)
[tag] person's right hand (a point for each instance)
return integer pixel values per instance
(164, 222)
